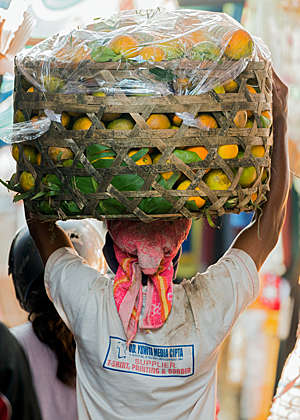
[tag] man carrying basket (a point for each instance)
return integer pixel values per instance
(147, 348)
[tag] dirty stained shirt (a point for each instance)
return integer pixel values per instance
(168, 373)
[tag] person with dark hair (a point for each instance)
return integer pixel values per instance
(18, 399)
(47, 341)
(147, 348)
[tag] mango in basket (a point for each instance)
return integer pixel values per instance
(158, 122)
(165, 175)
(110, 116)
(239, 44)
(58, 154)
(172, 50)
(83, 123)
(206, 121)
(216, 179)
(27, 181)
(219, 89)
(125, 45)
(228, 151)
(140, 157)
(258, 151)
(201, 151)
(176, 120)
(194, 37)
(19, 116)
(251, 90)
(240, 119)
(53, 84)
(121, 124)
(65, 119)
(231, 86)
(266, 119)
(193, 203)
(30, 153)
(205, 51)
(152, 53)
(248, 176)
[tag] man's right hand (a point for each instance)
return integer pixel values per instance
(47, 236)
(259, 238)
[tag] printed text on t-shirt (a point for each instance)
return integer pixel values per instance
(148, 359)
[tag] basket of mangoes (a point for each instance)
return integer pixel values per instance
(141, 123)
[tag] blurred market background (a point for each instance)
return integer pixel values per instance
(254, 353)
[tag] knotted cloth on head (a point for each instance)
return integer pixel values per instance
(148, 248)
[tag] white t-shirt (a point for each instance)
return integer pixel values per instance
(56, 400)
(168, 373)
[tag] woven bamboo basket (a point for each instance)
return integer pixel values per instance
(222, 106)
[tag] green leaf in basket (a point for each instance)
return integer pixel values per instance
(139, 154)
(68, 163)
(59, 156)
(187, 156)
(100, 156)
(191, 205)
(111, 206)
(210, 221)
(164, 75)
(265, 122)
(169, 183)
(85, 184)
(38, 195)
(22, 196)
(52, 182)
(127, 182)
(155, 205)
(70, 208)
(45, 208)
(102, 54)
(231, 203)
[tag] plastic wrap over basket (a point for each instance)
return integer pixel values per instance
(152, 114)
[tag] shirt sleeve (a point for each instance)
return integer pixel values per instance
(68, 281)
(218, 296)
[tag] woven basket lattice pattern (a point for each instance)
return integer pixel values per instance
(222, 106)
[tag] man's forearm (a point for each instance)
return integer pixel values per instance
(260, 237)
(48, 237)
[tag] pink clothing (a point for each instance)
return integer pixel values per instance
(148, 248)
(57, 400)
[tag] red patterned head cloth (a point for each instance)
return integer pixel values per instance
(148, 248)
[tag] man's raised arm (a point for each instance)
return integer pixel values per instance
(47, 236)
(259, 238)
